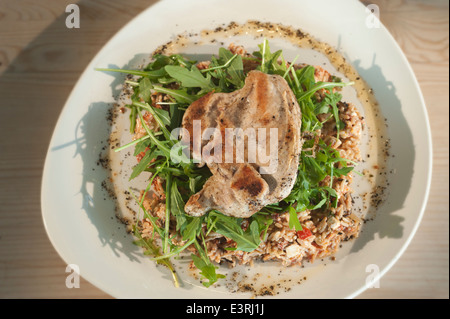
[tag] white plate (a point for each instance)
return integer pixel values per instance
(79, 217)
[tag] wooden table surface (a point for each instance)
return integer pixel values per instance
(41, 60)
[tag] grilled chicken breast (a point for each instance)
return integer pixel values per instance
(246, 177)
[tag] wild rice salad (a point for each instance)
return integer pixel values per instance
(309, 224)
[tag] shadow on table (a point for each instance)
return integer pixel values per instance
(59, 55)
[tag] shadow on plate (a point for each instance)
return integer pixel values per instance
(91, 140)
(399, 164)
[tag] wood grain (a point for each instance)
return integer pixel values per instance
(41, 60)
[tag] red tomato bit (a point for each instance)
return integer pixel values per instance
(303, 234)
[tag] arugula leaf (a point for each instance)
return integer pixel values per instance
(264, 221)
(149, 74)
(321, 85)
(145, 87)
(344, 171)
(331, 100)
(305, 76)
(268, 60)
(178, 59)
(132, 117)
(189, 78)
(220, 76)
(144, 163)
(331, 191)
(193, 227)
(141, 146)
(177, 205)
(180, 95)
(314, 171)
(152, 249)
(166, 243)
(231, 227)
(159, 62)
(161, 145)
(206, 267)
(163, 115)
(294, 223)
(207, 270)
(236, 68)
(175, 115)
